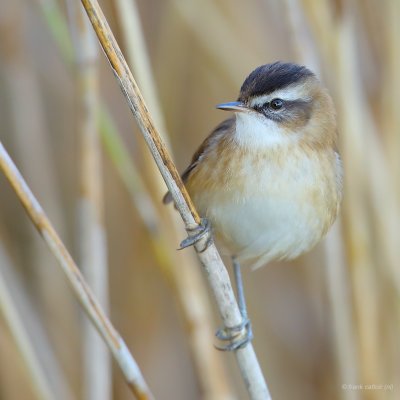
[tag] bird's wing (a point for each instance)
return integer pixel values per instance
(215, 135)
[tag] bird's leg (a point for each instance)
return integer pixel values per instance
(239, 288)
(240, 335)
(199, 232)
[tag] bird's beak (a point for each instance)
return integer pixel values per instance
(236, 106)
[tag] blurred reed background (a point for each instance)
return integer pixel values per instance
(329, 319)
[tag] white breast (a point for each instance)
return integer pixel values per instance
(285, 203)
(261, 229)
(274, 221)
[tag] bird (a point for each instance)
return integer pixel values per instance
(268, 180)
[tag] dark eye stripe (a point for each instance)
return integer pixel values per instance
(291, 110)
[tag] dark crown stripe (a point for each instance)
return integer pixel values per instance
(270, 77)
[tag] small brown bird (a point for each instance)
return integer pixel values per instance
(269, 179)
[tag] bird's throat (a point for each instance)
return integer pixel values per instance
(254, 131)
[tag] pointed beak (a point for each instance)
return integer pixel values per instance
(236, 106)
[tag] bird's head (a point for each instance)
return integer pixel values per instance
(283, 103)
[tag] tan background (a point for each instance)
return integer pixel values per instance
(327, 319)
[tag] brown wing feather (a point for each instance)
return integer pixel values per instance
(222, 128)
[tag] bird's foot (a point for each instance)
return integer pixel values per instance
(203, 230)
(238, 336)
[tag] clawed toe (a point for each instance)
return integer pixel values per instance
(201, 231)
(238, 336)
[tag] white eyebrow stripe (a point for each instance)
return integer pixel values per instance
(289, 93)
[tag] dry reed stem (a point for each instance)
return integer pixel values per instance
(186, 282)
(216, 273)
(92, 233)
(136, 104)
(82, 291)
(111, 138)
(179, 268)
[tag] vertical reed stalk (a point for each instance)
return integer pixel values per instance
(92, 233)
(186, 281)
(216, 272)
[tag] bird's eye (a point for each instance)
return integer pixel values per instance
(276, 104)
